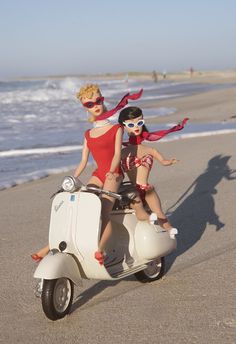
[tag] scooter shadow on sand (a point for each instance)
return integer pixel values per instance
(194, 211)
(89, 293)
(135, 247)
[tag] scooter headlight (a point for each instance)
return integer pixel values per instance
(68, 184)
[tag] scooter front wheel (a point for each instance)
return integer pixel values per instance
(154, 271)
(57, 297)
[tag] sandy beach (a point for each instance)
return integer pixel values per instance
(194, 302)
(214, 106)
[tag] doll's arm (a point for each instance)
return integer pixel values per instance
(159, 157)
(84, 160)
(117, 154)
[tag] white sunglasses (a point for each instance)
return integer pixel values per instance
(132, 124)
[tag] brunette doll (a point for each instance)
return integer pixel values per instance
(137, 159)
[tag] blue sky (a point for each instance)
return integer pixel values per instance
(50, 37)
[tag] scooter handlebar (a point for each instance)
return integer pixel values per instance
(105, 192)
(71, 184)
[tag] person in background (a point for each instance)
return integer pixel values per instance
(154, 76)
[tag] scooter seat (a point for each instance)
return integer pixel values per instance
(127, 189)
(128, 192)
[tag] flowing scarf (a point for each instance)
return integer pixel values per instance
(154, 136)
(124, 101)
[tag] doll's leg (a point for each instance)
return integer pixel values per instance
(95, 181)
(40, 254)
(140, 212)
(107, 204)
(138, 206)
(154, 203)
(98, 255)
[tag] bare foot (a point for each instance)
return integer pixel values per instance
(41, 253)
(152, 218)
(99, 256)
(165, 224)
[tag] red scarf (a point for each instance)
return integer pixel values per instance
(154, 136)
(120, 105)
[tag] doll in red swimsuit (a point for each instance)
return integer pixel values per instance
(104, 141)
(137, 160)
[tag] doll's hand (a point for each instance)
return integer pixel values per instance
(111, 175)
(169, 162)
(173, 161)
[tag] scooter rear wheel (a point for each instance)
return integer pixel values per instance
(57, 297)
(154, 271)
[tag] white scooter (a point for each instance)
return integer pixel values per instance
(135, 247)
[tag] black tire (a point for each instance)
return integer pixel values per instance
(153, 272)
(57, 297)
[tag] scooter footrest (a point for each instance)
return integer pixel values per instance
(124, 273)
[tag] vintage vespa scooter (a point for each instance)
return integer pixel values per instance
(136, 247)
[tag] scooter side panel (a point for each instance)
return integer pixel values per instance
(152, 242)
(87, 230)
(120, 247)
(86, 234)
(121, 253)
(75, 219)
(121, 242)
(62, 221)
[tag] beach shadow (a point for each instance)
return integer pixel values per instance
(196, 210)
(88, 294)
(120, 240)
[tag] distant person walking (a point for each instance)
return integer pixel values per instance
(164, 74)
(191, 70)
(154, 76)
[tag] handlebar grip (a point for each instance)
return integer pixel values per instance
(115, 195)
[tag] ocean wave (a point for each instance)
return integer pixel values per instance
(68, 84)
(49, 90)
(61, 89)
(32, 176)
(10, 181)
(65, 89)
(198, 134)
(39, 151)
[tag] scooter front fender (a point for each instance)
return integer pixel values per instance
(57, 266)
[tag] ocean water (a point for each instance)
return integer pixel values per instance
(42, 124)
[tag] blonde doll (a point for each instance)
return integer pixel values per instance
(104, 141)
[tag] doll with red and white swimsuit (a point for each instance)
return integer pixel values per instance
(104, 141)
(137, 160)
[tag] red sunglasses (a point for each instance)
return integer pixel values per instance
(90, 105)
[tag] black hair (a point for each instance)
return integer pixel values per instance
(130, 112)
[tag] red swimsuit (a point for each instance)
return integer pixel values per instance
(103, 149)
(130, 162)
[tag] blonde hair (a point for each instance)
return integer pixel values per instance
(87, 91)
